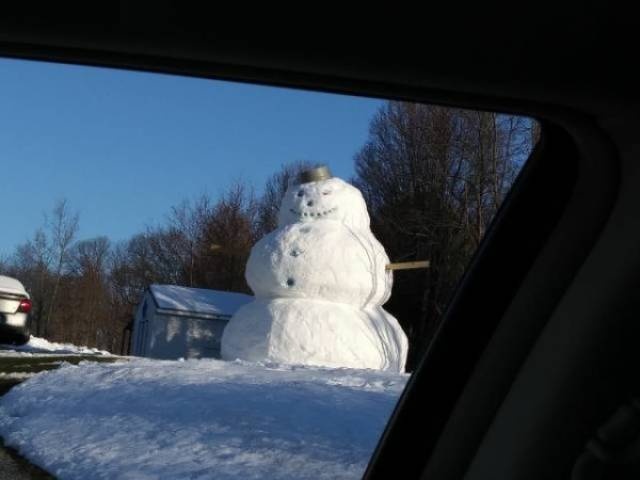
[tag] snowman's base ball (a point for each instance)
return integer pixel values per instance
(315, 332)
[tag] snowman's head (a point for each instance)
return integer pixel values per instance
(330, 199)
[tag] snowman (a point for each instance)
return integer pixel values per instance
(320, 281)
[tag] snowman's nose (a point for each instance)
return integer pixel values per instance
(310, 203)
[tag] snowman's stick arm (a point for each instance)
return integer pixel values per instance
(408, 265)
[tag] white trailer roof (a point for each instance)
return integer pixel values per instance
(198, 300)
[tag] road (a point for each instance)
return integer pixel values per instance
(15, 369)
(14, 467)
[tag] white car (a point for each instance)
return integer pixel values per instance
(15, 305)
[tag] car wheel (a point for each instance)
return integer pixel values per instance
(21, 338)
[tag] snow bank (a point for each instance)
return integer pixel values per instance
(40, 345)
(199, 419)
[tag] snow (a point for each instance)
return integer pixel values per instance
(15, 375)
(313, 332)
(213, 302)
(199, 419)
(320, 281)
(323, 260)
(332, 199)
(37, 345)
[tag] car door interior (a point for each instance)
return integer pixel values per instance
(538, 351)
(482, 344)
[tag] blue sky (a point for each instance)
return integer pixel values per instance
(123, 147)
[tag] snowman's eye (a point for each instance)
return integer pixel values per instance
(326, 192)
(300, 193)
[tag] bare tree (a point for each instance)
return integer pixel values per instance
(88, 258)
(274, 189)
(63, 227)
(433, 178)
(187, 222)
(31, 263)
(85, 314)
(227, 238)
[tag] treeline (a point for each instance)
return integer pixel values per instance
(433, 178)
(86, 291)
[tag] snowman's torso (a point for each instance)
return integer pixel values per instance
(322, 260)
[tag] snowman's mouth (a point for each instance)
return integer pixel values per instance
(313, 214)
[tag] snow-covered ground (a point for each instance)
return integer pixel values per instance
(40, 345)
(199, 419)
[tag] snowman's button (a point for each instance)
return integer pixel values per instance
(305, 229)
(295, 252)
(291, 282)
